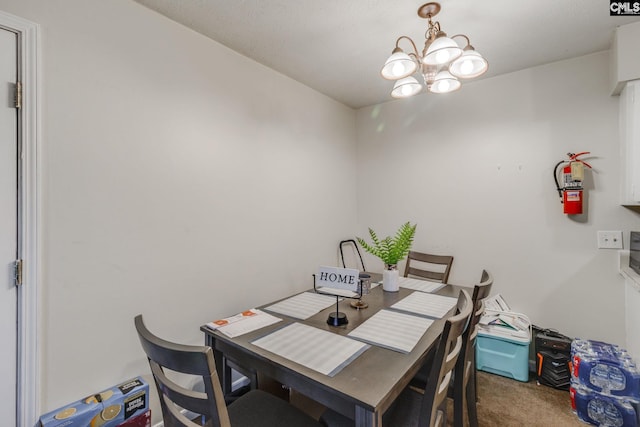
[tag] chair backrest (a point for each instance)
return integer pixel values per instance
(185, 359)
(480, 292)
(438, 274)
(467, 362)
(350, 246)
(433, 409)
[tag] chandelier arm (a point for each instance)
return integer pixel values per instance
(415, 58)
(415, 49)
(463, 36)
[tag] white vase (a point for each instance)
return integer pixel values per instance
(390, 279)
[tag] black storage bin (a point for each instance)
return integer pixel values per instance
(553, 359)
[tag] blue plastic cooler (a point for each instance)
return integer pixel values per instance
(504, 354)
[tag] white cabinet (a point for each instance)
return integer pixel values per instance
(630, 144)
(625, 61)
(632, 306)
(632, 317)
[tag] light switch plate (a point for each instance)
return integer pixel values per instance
(609, 239)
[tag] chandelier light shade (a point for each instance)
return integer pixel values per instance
(469, 65)
(442, 51)
(398, 66)
(442, 62)
(406, 87)
(444, 82)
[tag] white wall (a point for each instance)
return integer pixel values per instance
(180, 180)
(176, 173)
(474, 170)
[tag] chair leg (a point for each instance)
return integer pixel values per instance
(460, 404)
(474, 373)
(472, 398)
(460, 412)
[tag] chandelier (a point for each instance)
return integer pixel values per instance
(442, 61)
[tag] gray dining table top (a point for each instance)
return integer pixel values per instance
(372, 381)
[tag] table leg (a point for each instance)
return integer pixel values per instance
(222, 367)
(366, 418)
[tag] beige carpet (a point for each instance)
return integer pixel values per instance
(503, 402)
(506, 402)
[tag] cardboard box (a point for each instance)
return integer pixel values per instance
(142, 420)
(109, 408)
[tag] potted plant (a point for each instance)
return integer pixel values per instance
(390, 250)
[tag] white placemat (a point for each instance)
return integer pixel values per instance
(426, 304)
(420, 285)
(393, 330)
(314, 348)
(302, 306)
(242, 323)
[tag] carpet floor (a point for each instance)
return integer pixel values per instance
(506, 402)
(502, 402)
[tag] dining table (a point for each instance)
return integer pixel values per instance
(363, 387)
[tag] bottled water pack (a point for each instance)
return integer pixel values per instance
(603, 410)
(605, 368)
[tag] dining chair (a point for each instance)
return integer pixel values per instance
(256, 408)
(428, 266)
(465, 374)
(464, 386)
(415, 409)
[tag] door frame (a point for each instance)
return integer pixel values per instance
(29, 221)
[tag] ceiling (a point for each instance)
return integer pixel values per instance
(338, 47)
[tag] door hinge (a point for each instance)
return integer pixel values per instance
(18, 96)
(17, 265)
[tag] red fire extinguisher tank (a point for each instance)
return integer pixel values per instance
(571, 197)
(571, 190)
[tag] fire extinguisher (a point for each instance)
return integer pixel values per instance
(571, 191)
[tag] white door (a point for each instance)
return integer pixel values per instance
(8, 226)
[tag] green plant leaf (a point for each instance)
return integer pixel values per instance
(390, 250)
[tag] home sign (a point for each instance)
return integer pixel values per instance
(338, 278)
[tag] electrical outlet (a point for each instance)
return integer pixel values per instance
(609, 239)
